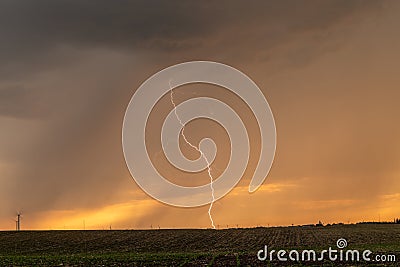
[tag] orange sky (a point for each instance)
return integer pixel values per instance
(329, 72)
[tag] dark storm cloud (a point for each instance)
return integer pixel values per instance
(43, 35)
(32, 28)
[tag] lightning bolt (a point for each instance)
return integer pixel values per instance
(198, 150)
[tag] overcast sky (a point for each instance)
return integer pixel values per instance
(329, 70)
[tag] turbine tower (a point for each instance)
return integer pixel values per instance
(18, 221)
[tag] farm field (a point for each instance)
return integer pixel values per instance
(191, 247)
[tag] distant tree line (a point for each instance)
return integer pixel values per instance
(395, 221)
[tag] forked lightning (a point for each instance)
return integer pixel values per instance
(199, 150)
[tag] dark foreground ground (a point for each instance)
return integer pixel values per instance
(231, 247)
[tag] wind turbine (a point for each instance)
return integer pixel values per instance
(18, 221)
